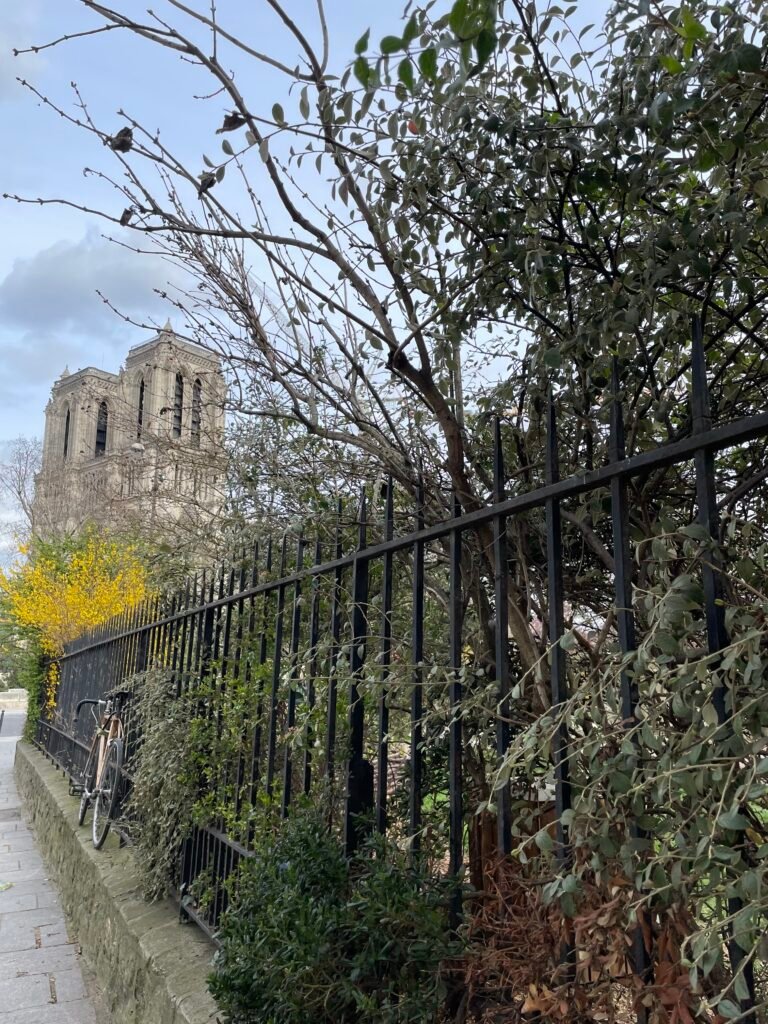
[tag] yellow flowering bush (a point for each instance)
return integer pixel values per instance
(65, 589)
(63, 594)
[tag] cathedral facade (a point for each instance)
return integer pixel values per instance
(142, 448)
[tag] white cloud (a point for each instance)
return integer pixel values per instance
(37, 357)
(56, 289)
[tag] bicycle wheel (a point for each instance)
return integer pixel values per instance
(89, 781)
(107, 788)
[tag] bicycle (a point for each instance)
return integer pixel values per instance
(102, 772)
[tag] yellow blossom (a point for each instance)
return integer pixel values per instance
(63, 597)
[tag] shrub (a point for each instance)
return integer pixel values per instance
(65, 588)
(161, 800)
(311, 936)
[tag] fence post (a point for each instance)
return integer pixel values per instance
(359, 770)
(314, 635)
(455, 729)
(558, 681)
(277, 665)
(142, 644)
(503, 730)
(417, 608)
(386, 661)
(330, 734)
(714, 610)
(258, 728)
(293, 681)
(555, 630)
(625, 626)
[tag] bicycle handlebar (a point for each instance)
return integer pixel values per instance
(87, 700)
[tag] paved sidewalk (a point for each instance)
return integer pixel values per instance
(41, 981)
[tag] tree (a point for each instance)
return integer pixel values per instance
(21, 462)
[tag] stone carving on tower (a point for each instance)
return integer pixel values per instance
(142, 448)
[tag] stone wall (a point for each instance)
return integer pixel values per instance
(151, 968)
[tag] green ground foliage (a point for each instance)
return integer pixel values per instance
(313, 936)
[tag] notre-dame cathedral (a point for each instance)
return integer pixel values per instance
(141, 448)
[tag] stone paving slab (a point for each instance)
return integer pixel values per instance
(36, 961)
(62, 1013)
(41, 979)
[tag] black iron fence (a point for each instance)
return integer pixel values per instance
(355, 660)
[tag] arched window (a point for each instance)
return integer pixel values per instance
(140, 418)
(101, 429)
(67, 424)
(178, 405)
(197, 412)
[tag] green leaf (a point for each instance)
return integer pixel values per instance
(728, 1009)
(544, 841)
(278, 114)
(691, 28)
(485, 44)
(671, 64)
(264, 150)
(458, 16)
(304, 102)
(207, 162)
(761, 188)
(227, 147)
(468, 18)
(362, 71)
(568, 905)
(405, 73)
(733, 820)
(411, 30)
(620, 782)
(391, 44)
(250, 138)
(362, 43)
(428, 63)
(749, 57)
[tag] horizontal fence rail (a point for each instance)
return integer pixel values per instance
(331, 641)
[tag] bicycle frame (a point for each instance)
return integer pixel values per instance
(108, 728)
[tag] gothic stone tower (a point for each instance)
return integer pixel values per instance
(141, 448)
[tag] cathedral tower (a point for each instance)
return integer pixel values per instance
(139, 448)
